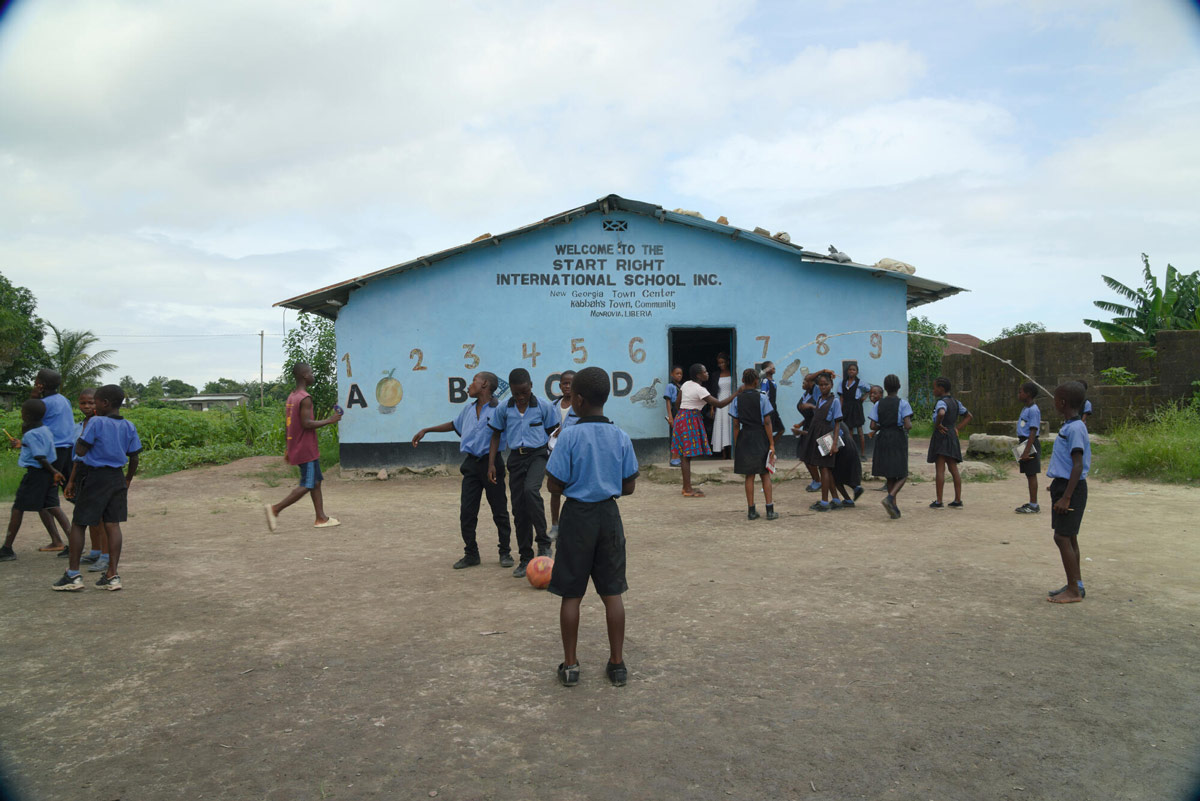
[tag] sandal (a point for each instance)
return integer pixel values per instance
(1063, 588)
(49, 548)
(693, 494)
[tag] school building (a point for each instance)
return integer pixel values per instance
(619, 284)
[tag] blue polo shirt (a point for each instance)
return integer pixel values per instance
(529, 430)
(835, 409)
(34, 443)
(671, 393)
(1072, 437)
(475, 431)
(112, 440)
(60, 419)
(863, 388)
(941, 404)
(764, 407)
(592, 459)
(75, 457)
(1087, 407)
(1030, 419)
(905, 410)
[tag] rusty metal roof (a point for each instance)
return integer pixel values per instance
(327, 300)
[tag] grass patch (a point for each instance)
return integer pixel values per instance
(10, 474)
(1160, 448)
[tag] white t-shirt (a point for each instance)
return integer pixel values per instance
(692, 395)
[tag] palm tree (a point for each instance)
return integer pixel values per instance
(69, 356)
(1172, 307)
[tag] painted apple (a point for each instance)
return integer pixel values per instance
(388, 392)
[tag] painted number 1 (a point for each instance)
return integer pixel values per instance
(346, 359)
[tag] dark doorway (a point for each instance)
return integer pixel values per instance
(688, 346)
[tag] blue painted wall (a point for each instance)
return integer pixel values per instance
(410, 342)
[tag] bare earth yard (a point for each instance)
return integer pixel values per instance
(828, 656)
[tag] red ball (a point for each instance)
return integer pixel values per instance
(538, 572)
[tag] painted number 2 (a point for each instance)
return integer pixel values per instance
(416, 353)
(877, 344)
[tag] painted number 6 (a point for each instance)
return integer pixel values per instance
(636, 355)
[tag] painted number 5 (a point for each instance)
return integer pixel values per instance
(577, 346)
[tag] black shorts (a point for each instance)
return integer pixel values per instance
(1033, 465)
(591, 542)
(1066, 524)
(101, 497)
(36, 491)
(62, 460)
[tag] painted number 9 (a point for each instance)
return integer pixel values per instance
(877, 344)
(636, 355)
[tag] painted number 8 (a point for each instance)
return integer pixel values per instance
(822, 345)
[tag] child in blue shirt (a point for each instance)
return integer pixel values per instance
(41, 479)
(672, 397)
(108, 442)
(568, 419)
(949, 418)
(472, 425)
(753, 441)
(1029, 426)
(592, 465)
(528, 422)
(97, 557)
(1069, 464)
(60, 419)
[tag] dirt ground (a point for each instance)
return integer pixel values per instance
(820, 656)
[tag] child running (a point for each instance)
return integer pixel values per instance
(593, 464)
(473, 426)
(690, 437)
(753, 441)
(1029, 426)
(568, 418)
(1068, 471)
(303, 450)
(528, 422)
(41, 478)
(891, 419)
(107, 443)
(949, 418)
(97, 558)
(671, 396)
(827, 414)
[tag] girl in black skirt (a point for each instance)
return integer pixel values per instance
(769, 388)
(806, 406)
(949, 418)
(827, 417)
(753, 440)
(891, 420)
(852, 391)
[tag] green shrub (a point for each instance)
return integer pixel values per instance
(1160, 448)
(1117, 377)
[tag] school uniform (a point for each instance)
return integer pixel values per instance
(60, 419)
(592, 460)
(851, 394)
(947, 444)
(751, 409)
(476, 440)
(771, 390)
(569, 418)
(1028, 423)
(77, 464)
(847, 463)
(528, 434)
(891, 440)
(37, 489)
(806, 416)
(103, 496)
(827, 413)
(1072, 438)
(690, 437)
(671, 394)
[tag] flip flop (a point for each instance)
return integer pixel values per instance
(271, 517)
(330, 523)
(694, 494)
(49, 548)
(1058, 599)
(1063, 588)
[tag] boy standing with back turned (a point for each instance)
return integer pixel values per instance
(592, 465)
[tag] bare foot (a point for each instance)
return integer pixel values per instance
(1067, 596)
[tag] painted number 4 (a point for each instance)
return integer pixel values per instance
(529, 351)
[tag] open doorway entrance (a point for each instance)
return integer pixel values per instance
(688, 346)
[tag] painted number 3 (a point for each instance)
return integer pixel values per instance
(877, 344)
(822, 345)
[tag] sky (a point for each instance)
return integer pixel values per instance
(171, 170)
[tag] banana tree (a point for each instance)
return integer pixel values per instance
(1171, 307)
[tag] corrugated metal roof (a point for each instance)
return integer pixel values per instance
(327, 300)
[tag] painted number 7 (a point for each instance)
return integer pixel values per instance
(766, 342)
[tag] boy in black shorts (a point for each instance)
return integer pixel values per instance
(592, 465)
(39, 485)
(1069, 464)
(107, 442)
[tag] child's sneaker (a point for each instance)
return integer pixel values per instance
(858, 491)
(820, 506)
(813, 487)
(99, 566)
(674, 463)
(835, 504)
(1028, 509)
(847, 504)
(88, 559)
(106, 583)
(937, 505)
(68, 583)
(772, 514)
(6, 554)
(955, 504)
(752, 515)
(65, 552)
(617, 674)
(568, 674)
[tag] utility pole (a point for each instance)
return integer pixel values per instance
(262, 401)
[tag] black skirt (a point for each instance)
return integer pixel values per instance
(750, 452)
(852, 414)
(812, 453)
(946, 445)
(891, 453)
(847, 467)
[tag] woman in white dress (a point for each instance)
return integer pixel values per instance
(722, 430)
